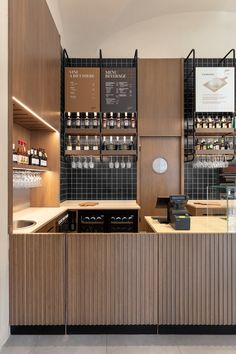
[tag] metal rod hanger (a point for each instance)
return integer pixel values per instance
(225, 57)
(192, 52)
(65, 54)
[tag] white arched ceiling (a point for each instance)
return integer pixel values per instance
(90, 24)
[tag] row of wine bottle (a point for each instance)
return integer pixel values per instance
(93, 143)
(216, 122)
(33, 157)
(214, 144)
(106, 120)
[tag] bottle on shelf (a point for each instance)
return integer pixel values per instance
(223, 122)
(86, 143)
(96, 143)
(31, 157)
(36, 158)
(204, 122)
(78, 146)
(203, 144)
(131, 143)
(209, 122)
(104, 121)
(69, 120)
(78, 120)
(229, 122)
(86, 120)
(95, 120)
(132, 121)
(117, 143)
(124, 145)
(14, 154)
(110, 145)
(216, 145)
(69, 143)
(43, 159)
(126, 121)
(222, 144)
(40, 155)
(111, 121)
(198, 122)
(104, 143)
(118, 121)
(197, 145)
(217, 122)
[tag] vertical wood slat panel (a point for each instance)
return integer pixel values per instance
(121, 277)
(208, 263)
(37, 279)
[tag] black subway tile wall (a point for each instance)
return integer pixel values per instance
(197, 180)
(63, 177)
(100, 182)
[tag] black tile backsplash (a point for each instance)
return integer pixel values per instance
(101, 182)
(197, 180)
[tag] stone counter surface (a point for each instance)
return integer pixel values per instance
(44, 215)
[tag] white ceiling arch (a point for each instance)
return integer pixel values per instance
(92, 21)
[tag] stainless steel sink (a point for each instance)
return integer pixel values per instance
(22, 224)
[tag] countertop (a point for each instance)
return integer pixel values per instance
(199, 224)
(202, 207)
(44, 215)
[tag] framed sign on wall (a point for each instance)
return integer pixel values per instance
(82, 89)
(118, 89)
(215, 89)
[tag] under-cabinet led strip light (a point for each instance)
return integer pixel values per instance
(34, 114)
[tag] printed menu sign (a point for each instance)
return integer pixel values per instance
(118, 89)
(82, 89)
(215, 89)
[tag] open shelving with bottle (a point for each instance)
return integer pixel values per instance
(37, 153)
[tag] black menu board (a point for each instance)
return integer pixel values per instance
(118, 89)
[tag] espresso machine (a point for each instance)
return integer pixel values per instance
(177, 214)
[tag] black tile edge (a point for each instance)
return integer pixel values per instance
(38, 329)
(118, 329)
(202, 329)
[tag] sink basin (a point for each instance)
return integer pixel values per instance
(22, 224)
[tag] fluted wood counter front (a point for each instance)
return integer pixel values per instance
(123, 279)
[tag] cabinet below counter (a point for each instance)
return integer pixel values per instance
(198, 224)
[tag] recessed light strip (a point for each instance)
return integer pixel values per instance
(34, 114)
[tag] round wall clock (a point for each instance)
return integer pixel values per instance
(159, 165)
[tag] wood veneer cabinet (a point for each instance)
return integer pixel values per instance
(112, 279)
(160, 97)
(35, 58)
(37, 279)
(151, 279)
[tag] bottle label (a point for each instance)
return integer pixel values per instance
(43, 163)
(69, 147)
(15, 158)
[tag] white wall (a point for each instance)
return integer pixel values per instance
(55, 11)
(212, 34)
(4, 294)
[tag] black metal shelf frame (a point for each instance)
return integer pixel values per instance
(190, 115)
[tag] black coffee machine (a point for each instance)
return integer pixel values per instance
(177, 214)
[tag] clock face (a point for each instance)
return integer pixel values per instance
(159, 165)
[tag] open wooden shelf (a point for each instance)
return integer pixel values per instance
(82, 131)
(118, 132)
(23, 167)
(214, 152)
(118, 152)
(82, 153)
(214, 131)
(27, 120)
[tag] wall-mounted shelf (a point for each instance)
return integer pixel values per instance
(82, 153)
(82, 131)
(28, 120)
(23, 167)
(118, 132)
(214, 131)
(214, 152)
(118, 152)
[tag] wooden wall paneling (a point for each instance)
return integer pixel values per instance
(160, 97)
(197, 286)
(112, 280)
(37, 279)
(51, 69)
(153, 185)
(49, 194)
